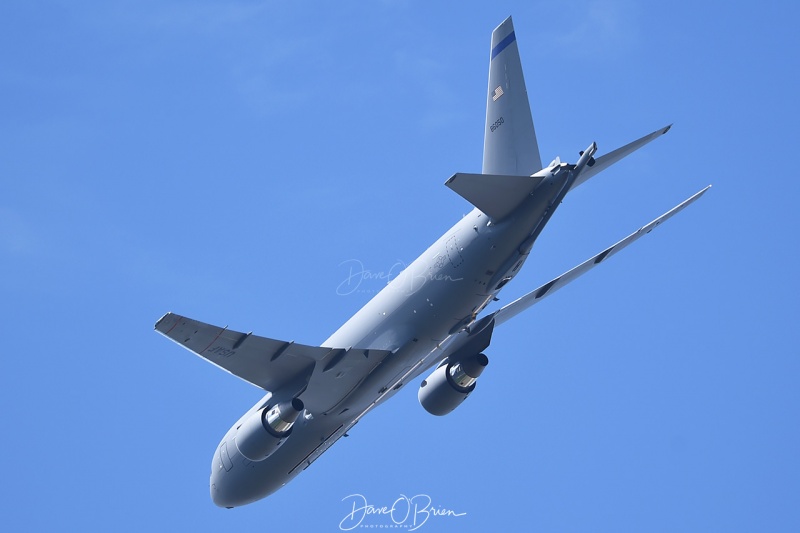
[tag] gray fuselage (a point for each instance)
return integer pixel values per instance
(414, 316)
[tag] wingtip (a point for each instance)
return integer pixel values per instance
(698, 194)
(160, 320)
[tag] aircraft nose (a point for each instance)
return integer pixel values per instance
(217, 487)
(221, 483)
(219, 498)
(236, 481)
(229, 484)
(229, 490)
(224, 491)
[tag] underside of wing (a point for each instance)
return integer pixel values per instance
(321, 376)
(514, 308)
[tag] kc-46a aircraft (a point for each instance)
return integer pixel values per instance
(427, 319)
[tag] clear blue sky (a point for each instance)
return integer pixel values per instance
(223, 159)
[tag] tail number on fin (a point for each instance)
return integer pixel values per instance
(497, 123)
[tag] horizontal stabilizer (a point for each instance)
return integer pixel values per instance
(602, 163)
(495, 195)
(533, 297)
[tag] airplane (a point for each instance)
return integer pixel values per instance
(427, 319)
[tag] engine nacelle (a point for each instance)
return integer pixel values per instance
(450, 384)
(264, 432)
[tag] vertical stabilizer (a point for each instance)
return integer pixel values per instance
(509, 142)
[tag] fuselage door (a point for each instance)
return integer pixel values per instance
(224, 457)
(453, 253)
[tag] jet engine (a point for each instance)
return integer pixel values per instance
(450, 384)
(264, 432)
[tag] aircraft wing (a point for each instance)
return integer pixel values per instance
(321, 376)
(521, 304)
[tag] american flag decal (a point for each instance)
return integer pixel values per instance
(497, 93)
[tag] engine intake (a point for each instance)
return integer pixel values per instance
(450, 384)
(264, 432)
